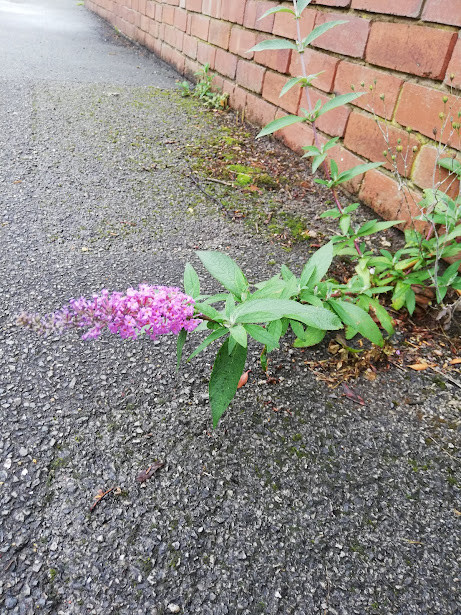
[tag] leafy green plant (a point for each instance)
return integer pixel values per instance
(214, 99)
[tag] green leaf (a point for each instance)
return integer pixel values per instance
(345, 176)
(230, 306)
(345, 224)
(358, 319)
(179, 346)
(319, 30)
(301, 5)
(262, 336)
(318, 160)
(451, 164)
(239, 334)
(382, 315)
(209, 340)
(274, 44)
(286, 273)
(376, 227)
(265, 310)
(410, 301)
(338, 101)
(317, 266)
(291, 289)
(191, 282)
(297, 328)
(290, 84)
(451, 273)
(225, 270)
(282, 122)
(215, 298)
(210, 311)
(311, 337)
(224, 379)
(277, 9)
(274, 328)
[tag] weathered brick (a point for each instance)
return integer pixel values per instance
(409, 48)
(180, 19)
(213, 8)
(206, 54)
(142, 6)
(145, 21)
(174, 57)
(285, 23)
(250, 76)
(348, 39)
(273, 84)
(453, 76)
(316, 62)
(407, 8)
(194, 5)
(443, 11)
(350, 74)
(190, 46)
(419, 107)
(336, 3)
(333, 122)
(426, 171)
(200, 26)
(385, 196)
(241, 40)
(278, 60)
(168, 15)
(237, 99)
(219, 33)
(258, 111)
(234, 11)
(226, 63)
(151, 10)
(295, 136)
(365, 137)
(253, 11)
(190, 68)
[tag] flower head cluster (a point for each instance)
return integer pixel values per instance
(153, 310)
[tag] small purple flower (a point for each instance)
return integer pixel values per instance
(153, 310)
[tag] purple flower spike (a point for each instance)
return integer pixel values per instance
(153, 310)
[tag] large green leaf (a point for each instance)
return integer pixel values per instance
(225, 270)
(311, 337)
(266, 310)
(345, 176)
(277, 9)
(191, 282)
(239, 334)
(224, 379)
(210, 311)
(317, 266)
(358, 319)
(282, 122)
(301, 5)
(319, 30)
(262, 335)
(451, 164)
(273, 44)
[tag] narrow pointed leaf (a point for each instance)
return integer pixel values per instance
(191, 282)
(290, 84)
(358, 170)
(301, 5)
(179, 346)
(273, 44)
(262, 335)
(239, 334)
(319, 262)
(338, 101)
(224, 379)
(209, 340)
(277, 9)
(319, 30)
(353, 316)
(225, 270)
(282, 122)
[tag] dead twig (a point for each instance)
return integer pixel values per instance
(101, 494)
(218, 181)
(146, 474)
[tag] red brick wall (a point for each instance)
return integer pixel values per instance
(407, 50)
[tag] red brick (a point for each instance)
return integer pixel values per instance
(200, 26)
(241, 40)
(273, 84)
(364, 136)
(168, 15)
(145, 21)
(173, 57)
(194, 5)
(443, 11)
(382, 194)
(316, 62)
(334, 122)
(425, 177)
(250, 76)
(237, 99)
(412, 49)
(454, 68)
(278, 60)
(206, 54)
(190, 68)
(228, 87)
(159, 13)
(295, 136)
(170, 35)
(253, 11)
(383, 83)
(151, 10)
(345, 160)
(419, 108)
(142, 6)
(258, 111)
(219, 33)
(213, 8)
(285, 23)
(180, 19)
(234, 11)
(348, 39)
(407, 8)
(226, 63)
(190, 46)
